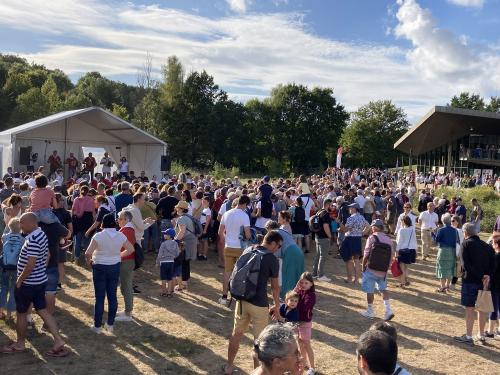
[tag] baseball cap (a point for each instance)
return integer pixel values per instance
(169, 232)
(354, 205)
(377, 223)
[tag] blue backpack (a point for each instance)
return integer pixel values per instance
(11, 250)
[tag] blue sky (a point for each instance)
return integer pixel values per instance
(417, 53)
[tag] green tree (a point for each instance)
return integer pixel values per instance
(31, 105)
(148, 115)
(49, 90)
(467, 100)
(307, 123)
(120, 111)
(173, 81)
(371, 134)
(494, 104)
(76, 100)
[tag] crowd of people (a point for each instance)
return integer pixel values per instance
(261, 231)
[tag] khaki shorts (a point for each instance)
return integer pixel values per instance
(231, 256)
(246, 313)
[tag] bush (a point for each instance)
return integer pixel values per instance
(487, 198)
(177, 168)
(220, 172)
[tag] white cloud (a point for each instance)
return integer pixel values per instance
(239, 6)
(248, 54)
(468, 3)
(440, 55)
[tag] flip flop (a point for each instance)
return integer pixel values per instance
(58, 353)
(10, 348)
(224, 370)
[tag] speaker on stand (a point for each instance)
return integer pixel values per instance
(166, 163)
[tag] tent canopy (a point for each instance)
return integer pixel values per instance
(67, 132)
(444, 124)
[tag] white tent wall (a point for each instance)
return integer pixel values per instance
(146, 158)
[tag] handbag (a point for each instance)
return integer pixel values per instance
(396, 269)
(484, 303)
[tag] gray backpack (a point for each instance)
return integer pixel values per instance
(243, 281)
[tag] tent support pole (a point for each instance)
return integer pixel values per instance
(65, 142)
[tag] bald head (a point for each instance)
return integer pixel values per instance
(29, 222)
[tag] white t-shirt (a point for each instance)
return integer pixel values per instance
(222, 209)
(360, 200)
(261, 221)
(307, 204)
(233, 220)
(124, 167)
(428, 220)
(206, 212)
(109, 244)
(105, 164)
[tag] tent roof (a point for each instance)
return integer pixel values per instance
(443, 124)
(98, 118)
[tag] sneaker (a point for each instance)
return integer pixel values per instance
(110, 329)
(368, 314)
(464, 339)
(311, 371)
(136, 290)
(480, 339)
(223, 301)
(124, 318)
(315, 277)
(489, 335)
(59, 287)
(388, 315)
(324, 278)
(97, 330)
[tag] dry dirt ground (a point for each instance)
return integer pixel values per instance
(188, 333)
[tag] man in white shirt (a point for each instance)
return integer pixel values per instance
(428, 223)
(229, 231)
(360, 200)
(106, 163)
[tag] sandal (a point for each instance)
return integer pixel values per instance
(163, 294)
(58, 353)
(441, 290)
(11, 348)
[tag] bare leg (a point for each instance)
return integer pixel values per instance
(52, 327)
(349, 265)
(310, 353)
(232, 350)
(357, 269)
(62, 273)
(50, 300)
(469, 320)
(21, 325)
(225, 283)
(481, 320)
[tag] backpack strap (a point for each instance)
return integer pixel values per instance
(398, 371)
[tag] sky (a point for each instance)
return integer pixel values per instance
(417, 53)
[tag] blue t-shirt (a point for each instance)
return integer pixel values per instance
(122, 201)
(289, 315)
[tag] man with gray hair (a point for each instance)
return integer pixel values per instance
(478, 262)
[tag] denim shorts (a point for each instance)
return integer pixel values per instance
(166, 271)
(30, 294)
(52, 280)
(370, 281)
(469, 293)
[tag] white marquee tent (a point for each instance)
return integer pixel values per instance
(71, 130)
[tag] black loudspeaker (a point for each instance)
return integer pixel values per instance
(166, 163)
(25, 155)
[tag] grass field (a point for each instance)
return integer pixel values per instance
(188, 333)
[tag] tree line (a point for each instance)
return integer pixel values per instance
(296, 129)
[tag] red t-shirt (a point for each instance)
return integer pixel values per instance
(90, 163)
(72, 162)
(130, 234)
(54, 161)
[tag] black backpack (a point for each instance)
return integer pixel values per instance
(299, 216)
(380, 256)
(315, 224)
(138, 256)
(245, 275)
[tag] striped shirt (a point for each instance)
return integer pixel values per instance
(36, 245)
